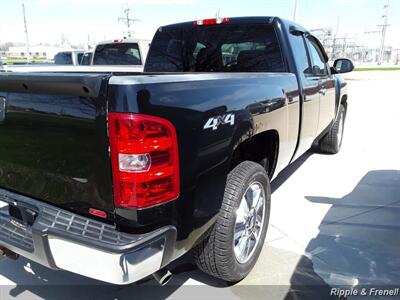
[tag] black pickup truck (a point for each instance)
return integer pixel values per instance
(115, 175)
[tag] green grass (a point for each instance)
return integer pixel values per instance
(23, 61)
(378, 69)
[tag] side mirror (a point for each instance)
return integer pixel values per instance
(343, 65)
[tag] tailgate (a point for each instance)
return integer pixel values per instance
(53, 139)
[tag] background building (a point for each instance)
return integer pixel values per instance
(36, 52)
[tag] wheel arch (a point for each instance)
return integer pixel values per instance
(262, 148)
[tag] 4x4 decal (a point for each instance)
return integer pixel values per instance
(216, 121)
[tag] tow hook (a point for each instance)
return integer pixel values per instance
(4, 252)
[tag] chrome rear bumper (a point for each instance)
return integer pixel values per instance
(63, 240)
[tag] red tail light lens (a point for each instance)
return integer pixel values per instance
(144, 159)
(216, 21)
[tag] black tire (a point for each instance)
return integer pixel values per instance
(215, 253)
(332, 141)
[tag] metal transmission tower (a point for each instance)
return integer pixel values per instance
(384, 27)
(382, 32)
(128, 21)
(28, 55)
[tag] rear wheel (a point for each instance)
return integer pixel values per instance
(233, 246)
(332, 141)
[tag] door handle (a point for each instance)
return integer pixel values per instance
(322, 91)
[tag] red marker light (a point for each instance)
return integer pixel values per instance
(98, 213)
(207, 22)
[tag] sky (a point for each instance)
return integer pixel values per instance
(97, 20)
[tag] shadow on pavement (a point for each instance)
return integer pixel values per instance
(358, 242)
(306, 284)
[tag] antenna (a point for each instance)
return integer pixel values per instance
(128, 21)
(28, 56)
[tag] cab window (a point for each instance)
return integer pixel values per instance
(318, 63)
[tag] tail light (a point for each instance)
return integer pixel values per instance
(144, 160)
(215, 21)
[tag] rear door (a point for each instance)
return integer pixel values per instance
(326, 84)
(310, 85)
(53, 140)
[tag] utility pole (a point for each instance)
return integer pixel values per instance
(128, 21)
(296, 10)
(384, 27)
(28, 57)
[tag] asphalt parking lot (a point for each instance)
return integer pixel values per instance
(335, 221)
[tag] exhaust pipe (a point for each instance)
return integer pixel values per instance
(4, 252)
(162, 276)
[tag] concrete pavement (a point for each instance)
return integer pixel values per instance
(335, 221)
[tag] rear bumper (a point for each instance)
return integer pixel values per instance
(60, 239)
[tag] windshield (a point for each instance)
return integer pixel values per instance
(220, 48)
(117, 54)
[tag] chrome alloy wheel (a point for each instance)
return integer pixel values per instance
(249, 222)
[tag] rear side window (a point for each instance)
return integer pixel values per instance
(300, 54)
(63, 58)
(117, 54)
(220, 48)
(318, 64)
